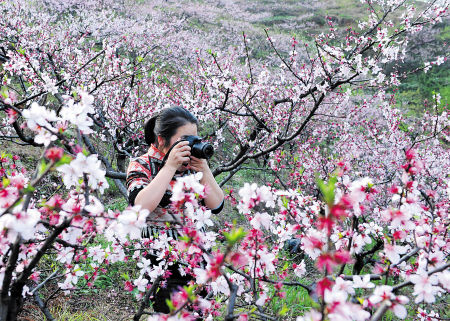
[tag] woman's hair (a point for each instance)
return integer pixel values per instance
(166, 123)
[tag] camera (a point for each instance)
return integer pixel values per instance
(199, 149)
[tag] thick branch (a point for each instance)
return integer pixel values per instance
(23, 277)
(40, 285)
(146, 299)
(10, 267)
(232, 300)
(43, 307)
(108, 166)
(26, 139)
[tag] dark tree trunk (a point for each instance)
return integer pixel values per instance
(10, 307)
(121, 157)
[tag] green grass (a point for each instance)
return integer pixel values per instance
(444, 35)
(420, 87)
(297, 302)
(117, 205)
(61, 314)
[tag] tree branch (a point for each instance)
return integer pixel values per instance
(146, 299)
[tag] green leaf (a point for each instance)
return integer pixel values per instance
(29, 189)
(235, 236)
(184, 238)
(5, 182)
(170, 305)
(285, 201)
(284, 310)
(65, 159)
(190, 291)
(4, 92)
(327, 189)
(42, 167)
(403, 127)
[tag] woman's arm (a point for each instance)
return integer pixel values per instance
(150, 196)
(215, 194)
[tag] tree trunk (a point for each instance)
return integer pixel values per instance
(10, 307)
(3, 310)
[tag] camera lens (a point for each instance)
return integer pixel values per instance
(202, 150)
(208, 150)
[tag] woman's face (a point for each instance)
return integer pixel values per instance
(187, 129)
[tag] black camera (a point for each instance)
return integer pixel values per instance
(199, 149)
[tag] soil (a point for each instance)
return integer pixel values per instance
(106, 305)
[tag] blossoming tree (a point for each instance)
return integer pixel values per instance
(362, 193)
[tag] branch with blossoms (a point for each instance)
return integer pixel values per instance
(31, 230)
(315, 222)
(128, 84)
(324, 240)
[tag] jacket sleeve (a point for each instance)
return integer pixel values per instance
(138, 176)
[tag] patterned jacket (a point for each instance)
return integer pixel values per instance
(141, 171)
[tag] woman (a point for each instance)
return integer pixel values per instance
(150, 181)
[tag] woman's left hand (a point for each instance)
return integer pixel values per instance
(215, 195)
(199, 164)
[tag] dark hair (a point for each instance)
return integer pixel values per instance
(166, 123)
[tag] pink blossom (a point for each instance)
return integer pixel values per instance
(261, 219)
(38, 116)
(312, 243)
(141, 283)
(424, 288)
(300, 269)
(393, 252)
(423, 315)
(396, 303)
(203, 218)
(54, 153)
(363, 283)
(313, 315)
(444, 279)
(132, 220)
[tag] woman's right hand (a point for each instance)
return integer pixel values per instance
(179, 155)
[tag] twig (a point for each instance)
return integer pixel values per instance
(43, 306)
(248, 57)
(406, 283)
(59, 83)
(146, 299)
(381, 311)
(265, 316)
(108, 166)
(232, 300)
(40, 285)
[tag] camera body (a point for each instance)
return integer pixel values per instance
(199, 149)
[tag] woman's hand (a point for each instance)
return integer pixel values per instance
(199, 164)
(214, 196)
(179, 155)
